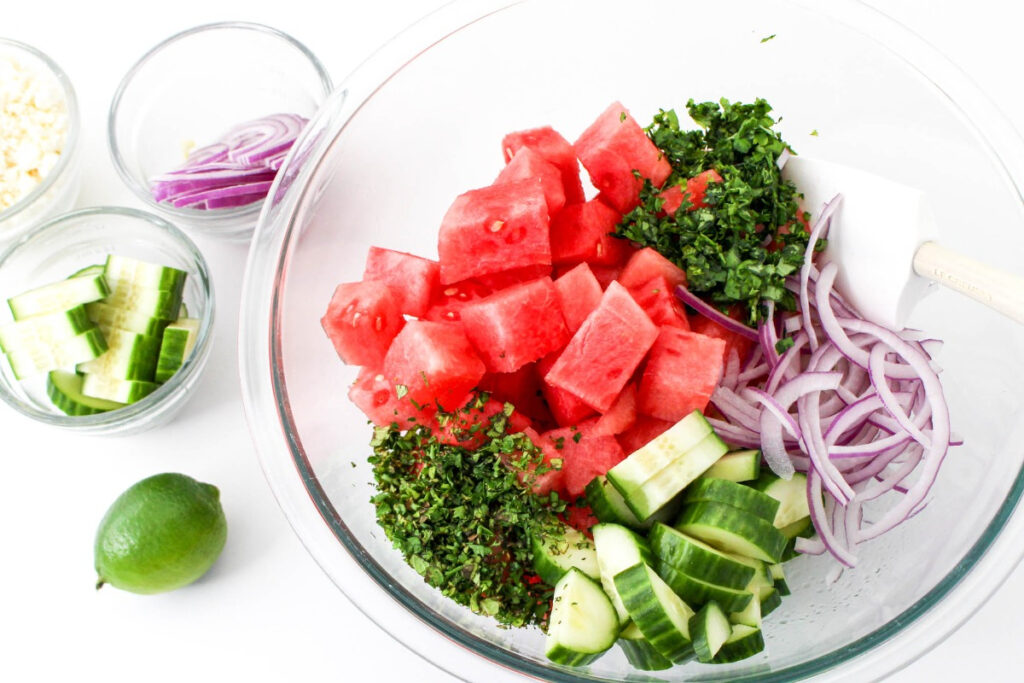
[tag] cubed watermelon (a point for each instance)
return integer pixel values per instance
(581, 518)
(527, 164)
(433, 363)
(507, 278)
(361, 320)
(643, 431)
(582, 232)
(660, 304)
(567, 409)
(606, 274)
(376, 397)
(467, 427)
(579, 293)
(682, 371)
(619, 417)
(414, 280)
(553, 478)
(584, 456)
(447, 304)
(494, 229)
(734, 343)
(516, 325)
(553, 147)
(647, 263)
(604, 352)
(520, 388)
(611, 149)
(696, 187)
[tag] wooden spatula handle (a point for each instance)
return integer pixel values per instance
(1001, 291)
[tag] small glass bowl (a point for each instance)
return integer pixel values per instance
(57, 191)
(191, 89)
(72, 241)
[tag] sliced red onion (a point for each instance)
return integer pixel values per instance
(783, 158)
(818, 230)
(708, 311)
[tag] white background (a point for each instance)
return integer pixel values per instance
(266, 611)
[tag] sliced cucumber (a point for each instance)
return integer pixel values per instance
(178, 341)
(744, 641)
(664, 486)
(155, 303)
(107, 317)
(770, 602)
(651, 459)
(639, 652)
(618, 549)
(59, 296)
(44, 330)
(95, 269)
(119, 390)
(736, 466)
(129, 356)
(557, 553)
(709, 629)
(35, 360)
(732, 530)
(697, 558)
(697, 592)
(801, 527)
(779, 579)
(583, 623)
(661, 615)
(65, 390)
(143, 274)
(791, 494)
(749, 615)
(608, 505)
(730, 493)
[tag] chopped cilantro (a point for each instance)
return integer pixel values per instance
(739, 248)
(767, 38)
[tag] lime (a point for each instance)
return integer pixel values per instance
(162, 533)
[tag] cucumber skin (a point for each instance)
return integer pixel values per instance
(748, 645)
(550, 569)
(638, 596)
(699, 631)
(730, 493)
(771, 602)
(732, 466)
(561, 654)
(696, 561)
(72, 405)
(642, 655)
(598, 493)
(696, 592)
(765, 539)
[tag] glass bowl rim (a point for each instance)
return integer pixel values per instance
(70, 141)
(198, 216)
(987, 562)
(138, 411)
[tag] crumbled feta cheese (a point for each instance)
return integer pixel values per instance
(33, 128)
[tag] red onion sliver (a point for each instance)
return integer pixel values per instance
(714, 314)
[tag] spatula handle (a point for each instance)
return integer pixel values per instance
(999, 290)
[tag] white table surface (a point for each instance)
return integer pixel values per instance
(266, 611)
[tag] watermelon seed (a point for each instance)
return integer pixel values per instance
(497, 225)
(378, 323)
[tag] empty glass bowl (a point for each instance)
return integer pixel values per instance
(194, 87)
(82, 238)
(850, 85)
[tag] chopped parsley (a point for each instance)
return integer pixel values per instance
(738, 249)
(463, 519)
(767, 38)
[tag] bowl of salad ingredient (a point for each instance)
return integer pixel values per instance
(106, 323)
(200, 125)
(39, 170)
(558, 382)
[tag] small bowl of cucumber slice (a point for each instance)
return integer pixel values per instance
(107, 321)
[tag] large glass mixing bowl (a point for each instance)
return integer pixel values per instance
(421, 121)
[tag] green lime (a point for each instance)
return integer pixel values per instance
(162, 533)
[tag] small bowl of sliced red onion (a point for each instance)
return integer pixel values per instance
(200, 125)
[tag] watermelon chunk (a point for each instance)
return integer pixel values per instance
(696, 187)
(450, 299)
(611, 149)
(620, 417)
(520, 388)
(507, 278)
(361, 320)
(516, 326)
(604, 352)
(527, 164)
(682, 371)
(434, 363)
(579, 293)
(582, 232)
(660, 304)
(494, 229)
(581, 518)
(584, 456)
(467, 427)
(647, 263)
(567, 409)
(553, 479)
(414, 280)
(606, 274)
(376, 397)
(643, 431)
(553, 147)
(734, 343)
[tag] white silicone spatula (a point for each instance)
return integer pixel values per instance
(882, 237)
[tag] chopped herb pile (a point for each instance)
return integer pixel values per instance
(463, 519)
(739, 248)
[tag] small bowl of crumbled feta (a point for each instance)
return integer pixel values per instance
(39, 132)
